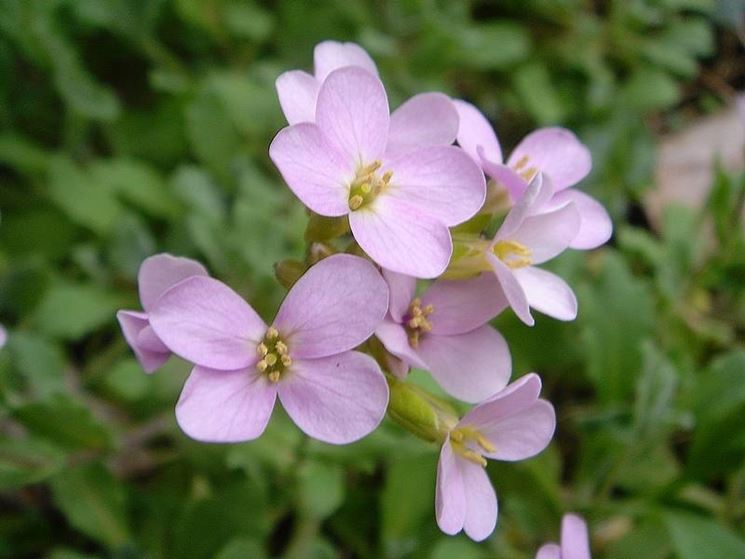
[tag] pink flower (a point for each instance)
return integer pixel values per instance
(399, 205)
(446, 332)
(526, 238)
(304, 358)
(512, 425)
(555, 152)
(575, 542)
(157, 274)
(3, 336)
(425, 119)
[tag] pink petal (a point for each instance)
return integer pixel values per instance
(536, 196)
(464, 305)
(547, 293)
(297, 91)
(352, 112)
(402, 289)
(441, 181)
(450, 496)
(401, 238)
(519, 395)
(393, 336)
(334, 307)
(149, 340)
(225, 406)
(162, 271)
(397, 367)
(513, 291)
(481, 509)
(330, 55)
(504, 175)
(557, 153)
(427, 119)
(475, 130)
(471, 366)
(595, 227)
(317, 173)
(549, 551)
(548, 234)
(337, 399)
(209, 324)
(132, 324)
(575, 540)
(3, 336)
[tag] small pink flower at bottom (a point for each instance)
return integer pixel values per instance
(575, 541)
(555, 152)
(304, 358)
(3, 336)
(512, 425)
(157, 274)
(528, 237)
(446, 332)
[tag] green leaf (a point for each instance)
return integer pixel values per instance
(535, 87)
(462, 549)
(94, 502)
(492, 45)
(66, 423)
(321, 488)
(70, 311)
(248, 20)
(651, 89)
(696, 537)
(242, 548)
(27, 460)
(40, 362)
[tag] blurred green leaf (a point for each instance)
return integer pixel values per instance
(535, 87)
(242, 548)
(321, 489)
(650, 89)
(93, 502)
(493, 45)
(41, 363)
(27, 460)
(696, 537)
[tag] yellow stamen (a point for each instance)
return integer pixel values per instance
(485, 443)
(274, 376)
(281, 347)
(355, 202)
(286, 360)
(367, 185)
(462, 440)
(418, 321)
(513, 254)
(261, 366)
(262, 349)
(522, 162)
(272, 333)
(270, 359)
(275, 355)
(474, 457)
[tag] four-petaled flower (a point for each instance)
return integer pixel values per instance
(575, 541)
(399, 205)
(445, 331)
(157, 274)
(304, 358)
(512, 425)
(526, 238)
(555, 152)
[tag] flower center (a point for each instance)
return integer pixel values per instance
(367, 185)
(513, 254)
(470, 444)
(416, 321)
(522, 169)
(275, 356)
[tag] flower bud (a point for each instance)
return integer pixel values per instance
(288, 272)
(419, 412)
(321, 228)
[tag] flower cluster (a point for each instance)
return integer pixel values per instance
(397, 201)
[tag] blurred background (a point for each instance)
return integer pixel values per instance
(129, 127)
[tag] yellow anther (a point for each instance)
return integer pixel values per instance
(274, 376)
(366, 188)
(387, 177)
(529, 173)
(272, 333)
(355, 202)
(474, 457)
(369, 169)
(281, 347)
(417, 321)
(429, 309)
(286, 360)
(522, 162)
(457, 436)
(513, 254)
(270, 359)
(262, 349)
(261, 366)
(485, 443)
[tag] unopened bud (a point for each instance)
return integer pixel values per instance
(419, 412)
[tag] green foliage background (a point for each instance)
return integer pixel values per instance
(129, 127)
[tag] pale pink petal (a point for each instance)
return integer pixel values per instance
(555, 152)
(297, 91)
(475, 130)
(549, 551)
(522, 434)
(402, 289)
(225, 406)
(464, 305)
(147, 339)
(209, 324)
(337, 399)
(481, 508)
(512, 290)
(519, 395)
(595, 227)
(132, 324)
(401, 238)
(504, 175)
(450, 496)
(330, 55)
(547, 293)
(536, 197)
(441, 181)
(427, 119)
(352, 112)
(393, 336)
(575, 540)
(548, 234)
(317, 173)
(3, 336)
(161, 271)
(471, 366)
(335, 306)
(397, 367)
